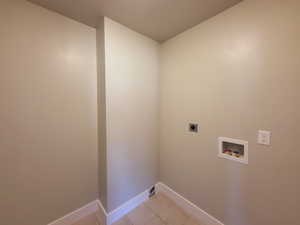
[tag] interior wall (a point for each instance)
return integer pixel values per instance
(48, 113)
(235, 74)
(102, 143)
(131, 74)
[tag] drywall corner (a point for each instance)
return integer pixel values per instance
(102, 159)
(131, 78)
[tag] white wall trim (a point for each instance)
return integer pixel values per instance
(103, 213)
(77, 214)
(127, 207)
(98, 206)
(189, 207)
(102, 207)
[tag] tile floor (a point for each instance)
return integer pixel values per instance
(159, 210)
(89, 220)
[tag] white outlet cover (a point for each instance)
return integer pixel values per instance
(264, 137)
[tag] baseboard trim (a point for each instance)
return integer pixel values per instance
(189, 207)
(77, 214)
(96, 206)
(102, 215)
(126, 207)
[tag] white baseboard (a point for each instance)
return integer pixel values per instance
(189, 207)
(77, 214)
(104, 217)
(110, 218)
(102, 214)
(126, 207)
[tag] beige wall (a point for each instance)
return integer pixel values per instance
(102, 144)
(235, 74)
(48, 114)
(131, 70)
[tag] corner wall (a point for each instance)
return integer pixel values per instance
(102, 136)
(48, 114)
(235, 74)
(131, 73)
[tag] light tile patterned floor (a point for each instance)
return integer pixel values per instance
(159, 210)
(88, 220)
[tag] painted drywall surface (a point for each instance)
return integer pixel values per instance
(131, 73)
(235, 74)
(48, 92)
(168, 17)
(102, 149)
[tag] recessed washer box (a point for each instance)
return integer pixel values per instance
(233, 149)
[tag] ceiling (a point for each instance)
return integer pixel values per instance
(157, 19)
